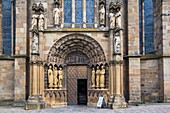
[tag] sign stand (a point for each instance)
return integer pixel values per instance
(101, 102)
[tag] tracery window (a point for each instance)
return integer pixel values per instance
(67, 11)
(76, 12)
(89, 11)
(146, 27)
(79, 11)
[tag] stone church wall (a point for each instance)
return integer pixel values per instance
(6, 81)
(150, 84)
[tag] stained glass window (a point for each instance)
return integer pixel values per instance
(149, 26)
(67, 11)
(6, 29)
(79, 11)
(140, 26)
(89, 11)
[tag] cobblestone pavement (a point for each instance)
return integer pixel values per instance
(158, 108)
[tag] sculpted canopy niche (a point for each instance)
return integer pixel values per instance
(78, 44)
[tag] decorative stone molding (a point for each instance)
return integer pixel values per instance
(76, 42)
(55, 97)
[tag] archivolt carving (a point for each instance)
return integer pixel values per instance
(73, 43)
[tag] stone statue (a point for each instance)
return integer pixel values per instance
(97, 77)
(102, 77)
(55, 77)
(34, 23)
(57, 15)
(50, 77)
(60, 77)
(118, 18)
(112, 19)
(35, 43)
(41, 22)
(117, 44)
(93, 78)
(102, 15)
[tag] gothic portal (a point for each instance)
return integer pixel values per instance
(71, 52)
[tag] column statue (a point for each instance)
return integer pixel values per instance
(102, 77)
(60, 76)
(112, 19)
(34, 23)
(35, 41)
(57, 15)
(50, 77)
(117, 43)
(41, 22)
(93, 78)
(118, 18)
(55, 77)
(98, 77)
(102, 15)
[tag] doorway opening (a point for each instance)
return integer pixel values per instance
(82, 91)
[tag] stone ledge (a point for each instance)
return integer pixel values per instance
(75, 30)
(18, 103)
(149, 56)
(20, 56)
(6, 57)
(6, 102)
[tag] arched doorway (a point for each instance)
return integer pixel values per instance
(77, 53)
(77, 77)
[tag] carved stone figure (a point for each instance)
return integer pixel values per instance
(93, 78)
(112, 19)
(98, 77)
(117, 44)
(102, 15)
(34, 23)
(57, 15)
(41, 22)
(50, 77)
(35, 43)
(118, 18)
(102, 77)
(60, 76)
(55, 77)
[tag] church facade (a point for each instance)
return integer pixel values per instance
(71, 52)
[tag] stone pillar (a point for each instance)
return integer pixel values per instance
(116, 57)
(84, 13)
(21, 53)
(119, 100)
(95, 13)
(133, 52)
(62, 13)
(1, 38)
(111, 68)
(73, 14)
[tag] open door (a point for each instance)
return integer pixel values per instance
(82, 91)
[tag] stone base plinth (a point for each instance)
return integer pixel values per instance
(119, 102)
(34, 105)
(34, 102)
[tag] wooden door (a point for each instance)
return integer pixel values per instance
(73, 74)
